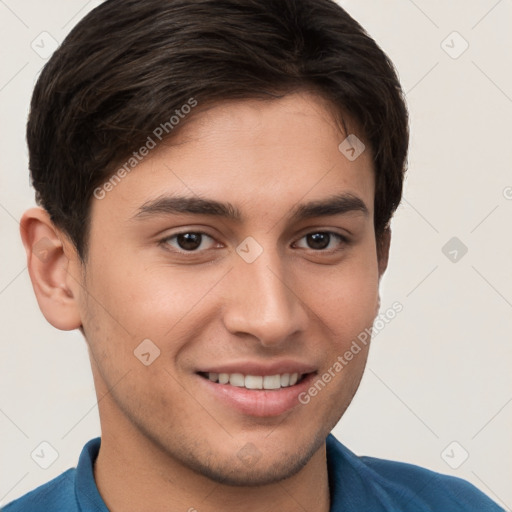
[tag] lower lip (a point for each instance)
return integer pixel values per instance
(259, 403)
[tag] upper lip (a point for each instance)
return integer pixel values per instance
(258, 368)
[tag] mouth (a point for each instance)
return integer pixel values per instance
(255, 395)
(255, 382)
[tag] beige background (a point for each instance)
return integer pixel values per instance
(439, 373)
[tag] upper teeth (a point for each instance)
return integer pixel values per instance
(255, 381)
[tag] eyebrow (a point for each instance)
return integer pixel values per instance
(174, 205)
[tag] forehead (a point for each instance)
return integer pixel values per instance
(264, 157)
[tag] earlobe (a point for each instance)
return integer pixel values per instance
(50, 268)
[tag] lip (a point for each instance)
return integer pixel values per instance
(256, 403)
(255, 368)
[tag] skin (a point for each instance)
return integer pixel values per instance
(166, 444)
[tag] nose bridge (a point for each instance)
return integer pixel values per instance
(261, 300)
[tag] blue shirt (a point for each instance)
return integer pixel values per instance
(357, 484)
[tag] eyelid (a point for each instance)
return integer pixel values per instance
(164, 241)
(344, 240)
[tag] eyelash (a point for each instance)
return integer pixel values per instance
(342, 239)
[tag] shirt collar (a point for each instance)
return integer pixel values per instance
(86, 491)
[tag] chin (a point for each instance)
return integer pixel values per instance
(256, 471)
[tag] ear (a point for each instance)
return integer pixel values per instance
(384, 243)
(50, 259)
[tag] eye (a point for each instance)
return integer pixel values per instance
(189, 241)
(321, 240)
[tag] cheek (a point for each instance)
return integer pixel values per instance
(140, 300)
(345, 298)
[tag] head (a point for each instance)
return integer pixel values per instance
(216, 183)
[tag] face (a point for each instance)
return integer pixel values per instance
(243, 252)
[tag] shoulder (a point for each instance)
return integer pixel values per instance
(57, 495)
(432, 489)
(401, 486)
(71, 491)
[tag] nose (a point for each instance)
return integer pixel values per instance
(263, 301)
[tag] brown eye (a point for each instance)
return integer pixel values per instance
(318, 240)
(322, 240)
(188, 241)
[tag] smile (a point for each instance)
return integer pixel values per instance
(255, 382)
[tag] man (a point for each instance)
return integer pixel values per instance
(216, 182)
